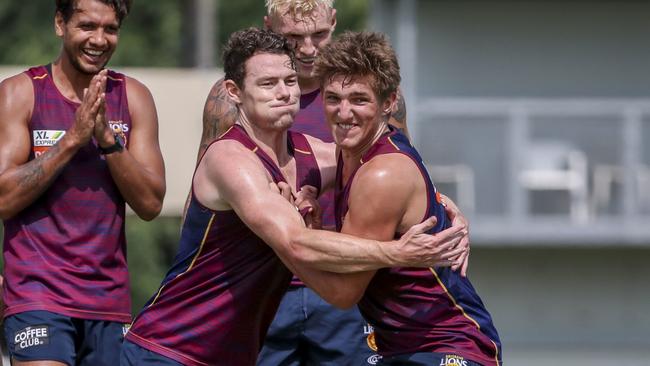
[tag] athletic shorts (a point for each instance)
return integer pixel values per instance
(46, 336)
(309, 331)
(134, 355)
(427, 359)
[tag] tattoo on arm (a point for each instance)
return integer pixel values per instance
(33, 172)
(218, 115)
(399, 114)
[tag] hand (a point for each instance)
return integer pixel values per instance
(417, 249)
(307, 203)
(282, 189)
(86, 114)
(103, 133)
(458, 220)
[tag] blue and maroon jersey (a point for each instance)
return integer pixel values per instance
(417, 310)
(66, 252)
(310, 120)
(221, 294)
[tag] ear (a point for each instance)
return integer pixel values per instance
(333, 19)
(59, 24)
(267, 22)
(233, 91)
(388, 106)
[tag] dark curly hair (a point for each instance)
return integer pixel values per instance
(247, 43)
(355, 54)
(67, 8)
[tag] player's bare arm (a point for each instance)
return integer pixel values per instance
(219, 114)
(326, 157)
(398, 120)
(231, 177)
(138, 171)
(380, 204)
(23, 181)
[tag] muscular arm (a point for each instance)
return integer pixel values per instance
(23, 181)
(138, 171)
(398, 120)
(231, 177)
(370, 215)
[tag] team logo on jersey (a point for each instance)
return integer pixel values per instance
(125, 329)
(44, 139)
(36, 335)
(374, 359)
(120, 128)
(453, 360)
(371, 342)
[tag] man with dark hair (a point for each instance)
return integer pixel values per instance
(77, 142)
(421, 316)
(241, 240)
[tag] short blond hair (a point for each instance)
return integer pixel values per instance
(298, 9)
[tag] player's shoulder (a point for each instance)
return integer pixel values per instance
(387, 173)
(19, 83)
(227, 151)
(17, 92)
(140, 99)
(132, 84)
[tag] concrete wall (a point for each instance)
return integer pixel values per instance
(567, 306)
(533, 48)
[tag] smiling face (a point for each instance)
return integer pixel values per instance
(90, 36)
(307, 33)
(356, 116)
(270, 96)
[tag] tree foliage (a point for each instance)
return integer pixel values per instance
(155, 34)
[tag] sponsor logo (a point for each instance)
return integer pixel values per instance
(36, 335)
(371, 342)
(453, 360)
(125, 329)
(374, 359)
(119, 128)
(43, 139)
(368, 329)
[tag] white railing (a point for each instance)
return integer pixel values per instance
(608, 194)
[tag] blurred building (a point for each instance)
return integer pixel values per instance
(535, 117)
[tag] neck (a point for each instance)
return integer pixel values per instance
(272, 141)
(352, 157)
(70, 82)
(308, 85)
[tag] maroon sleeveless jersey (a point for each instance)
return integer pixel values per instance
(416, 310)
(65, 253)
(310, 120)
(221, 294)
